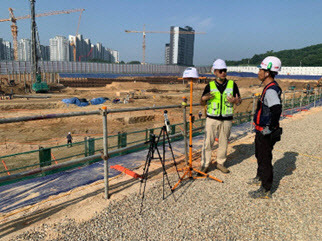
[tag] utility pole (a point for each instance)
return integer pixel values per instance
(34, 66)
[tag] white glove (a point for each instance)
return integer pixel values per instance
(266, 131)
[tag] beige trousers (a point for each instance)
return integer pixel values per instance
(215, 129)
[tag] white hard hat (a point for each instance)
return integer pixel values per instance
(190, 72)
(218, 64)
(68, 132)
(271, 63)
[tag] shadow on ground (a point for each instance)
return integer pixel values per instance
(20, 223)
(284, 167)
(241, 153)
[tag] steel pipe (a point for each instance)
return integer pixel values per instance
(105, 146)
(31, 96)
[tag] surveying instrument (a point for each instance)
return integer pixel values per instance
(191, 74)
(154, 141)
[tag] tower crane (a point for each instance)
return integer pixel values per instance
(144, 32)
(14, 27)
(73, 42)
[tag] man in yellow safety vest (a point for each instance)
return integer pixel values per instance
(219, 96)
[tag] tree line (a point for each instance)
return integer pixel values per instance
(308, 56)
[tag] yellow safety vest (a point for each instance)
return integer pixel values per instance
(219, 104)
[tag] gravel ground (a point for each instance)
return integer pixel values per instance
(209, 210)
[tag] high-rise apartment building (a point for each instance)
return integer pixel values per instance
(1, 49)
(115, 56)
(99, 52)
(181, 46)
(83, 47)
(5, 50)
(24, 50)
(45, 52)
(167, 54)
(71, 39)
(98, 47)
(59, 49)
(88, 53)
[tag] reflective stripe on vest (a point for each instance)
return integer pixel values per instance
(219, 104)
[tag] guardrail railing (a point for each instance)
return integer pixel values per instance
(54, 159)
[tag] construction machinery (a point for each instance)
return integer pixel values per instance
(38, 86)
(144, 32)
(14, 27)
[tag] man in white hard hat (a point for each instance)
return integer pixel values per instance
(219, 96)
(268, 132)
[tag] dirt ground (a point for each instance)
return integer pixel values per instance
(26, 136)
(89, 200)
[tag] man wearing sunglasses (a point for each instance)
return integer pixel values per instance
(219, 96)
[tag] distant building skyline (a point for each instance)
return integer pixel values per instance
(60, 49)
(86, 51)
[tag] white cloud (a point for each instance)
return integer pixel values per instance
(198, 23)
(206, 23)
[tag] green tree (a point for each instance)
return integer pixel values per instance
(134, 62)
(99, 61)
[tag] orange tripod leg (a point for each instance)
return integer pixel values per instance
(206, 175)
(180, 180)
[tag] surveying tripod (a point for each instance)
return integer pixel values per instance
(150, 156)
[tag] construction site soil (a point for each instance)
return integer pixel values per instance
(156, 91)
(239, 218)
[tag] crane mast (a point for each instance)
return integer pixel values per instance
(14, 31)
(73, 43)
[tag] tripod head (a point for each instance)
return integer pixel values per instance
(166, 121)
(152, 139)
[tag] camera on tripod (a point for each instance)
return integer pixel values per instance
(166, 121)
(153, 149)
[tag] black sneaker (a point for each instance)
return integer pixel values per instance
(260, 193)
(254, 181)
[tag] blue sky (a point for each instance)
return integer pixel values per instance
(234, 29)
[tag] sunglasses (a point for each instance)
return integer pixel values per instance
(222, 71)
